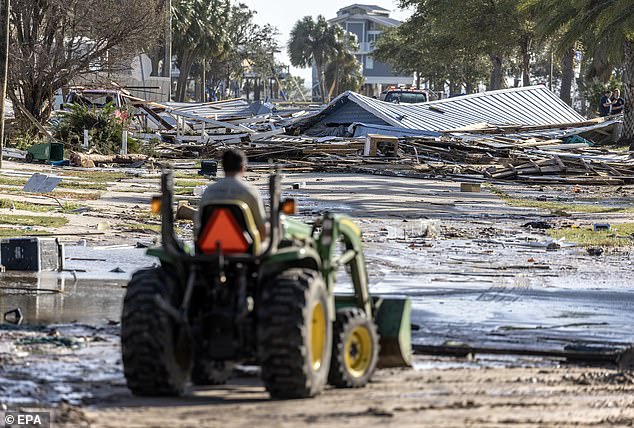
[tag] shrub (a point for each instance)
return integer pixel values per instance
(105, 127)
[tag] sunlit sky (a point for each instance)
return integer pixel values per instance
(284, 13)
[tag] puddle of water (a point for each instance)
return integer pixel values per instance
(92, 294)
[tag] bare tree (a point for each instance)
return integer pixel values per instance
(54, 41)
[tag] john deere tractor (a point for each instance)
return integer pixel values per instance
(231, 298)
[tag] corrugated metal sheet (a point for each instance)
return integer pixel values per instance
(350, 113)
(221, 110)
(534, 105)
(363, 129)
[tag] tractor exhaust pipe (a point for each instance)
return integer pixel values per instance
(275, 193)
(171, 244)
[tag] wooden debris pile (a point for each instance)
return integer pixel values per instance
(530, 160)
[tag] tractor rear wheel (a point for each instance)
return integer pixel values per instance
(295, 334)
(355, 350)
(156, 351)
(211, 372)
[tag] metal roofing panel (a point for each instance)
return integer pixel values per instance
(222, 110)
(534, 105)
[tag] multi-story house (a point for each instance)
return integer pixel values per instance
(367, 22)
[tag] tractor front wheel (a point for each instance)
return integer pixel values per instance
(295, 334)
(156, 351)
(355, 351)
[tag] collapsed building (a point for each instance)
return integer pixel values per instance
(354, 115)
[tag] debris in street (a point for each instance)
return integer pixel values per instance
(14, 316)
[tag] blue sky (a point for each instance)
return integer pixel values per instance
(284, 13)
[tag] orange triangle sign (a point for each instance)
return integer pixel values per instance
(223, 228)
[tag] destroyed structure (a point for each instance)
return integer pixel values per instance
(525, 134)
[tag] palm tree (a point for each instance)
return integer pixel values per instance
(315, 42)
(200, 33)
(606, 25)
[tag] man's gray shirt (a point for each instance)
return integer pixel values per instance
(234, 188)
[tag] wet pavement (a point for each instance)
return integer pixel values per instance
(480, 279)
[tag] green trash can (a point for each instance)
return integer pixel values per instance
(47, 152)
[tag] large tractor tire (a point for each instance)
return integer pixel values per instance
(355, 350)
(211, 372)
(295, 334)
(156, 352)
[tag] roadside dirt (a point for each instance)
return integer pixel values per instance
(455, 397)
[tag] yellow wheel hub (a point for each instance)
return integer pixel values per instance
(317, 336)
(358, 351)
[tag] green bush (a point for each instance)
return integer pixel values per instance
(105, 128)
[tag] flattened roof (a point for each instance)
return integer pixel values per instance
(533, 105)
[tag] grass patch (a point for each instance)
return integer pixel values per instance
(80, 196)
(64, 194)
(87, 185)
(620, 235)
(142, 226)
(184, 191)
(96, 176)
(38, 208)
(557, 207)
(27, 206)
(187, 175)
(27, 220)
(190, 183)
(12, 181)
(10, 232)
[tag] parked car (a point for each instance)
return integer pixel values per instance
(404, 96)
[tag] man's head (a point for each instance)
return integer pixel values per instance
(234, 162)
(608, 93)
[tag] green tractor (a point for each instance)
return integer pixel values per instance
(230, 298)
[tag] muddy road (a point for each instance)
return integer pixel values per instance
(475, 274)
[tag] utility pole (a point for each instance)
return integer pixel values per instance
(167, 57)
(4, 67)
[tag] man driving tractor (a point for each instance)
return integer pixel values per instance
(234, 164)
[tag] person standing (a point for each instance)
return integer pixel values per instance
(605, 104)
(618, 103)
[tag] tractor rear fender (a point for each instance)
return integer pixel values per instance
(284, 258)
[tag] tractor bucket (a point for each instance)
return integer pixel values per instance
(393, 321)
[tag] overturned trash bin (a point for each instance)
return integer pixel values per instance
(47, 152)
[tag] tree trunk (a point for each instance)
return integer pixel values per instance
(322, 83)
(568, 73)
(525, 47)
(600, 69)
(183, 78)
(495, 81)
(581, 86)
(627, 135)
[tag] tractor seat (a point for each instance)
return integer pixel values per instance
(230, 225)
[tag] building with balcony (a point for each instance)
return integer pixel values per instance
(367, 22)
